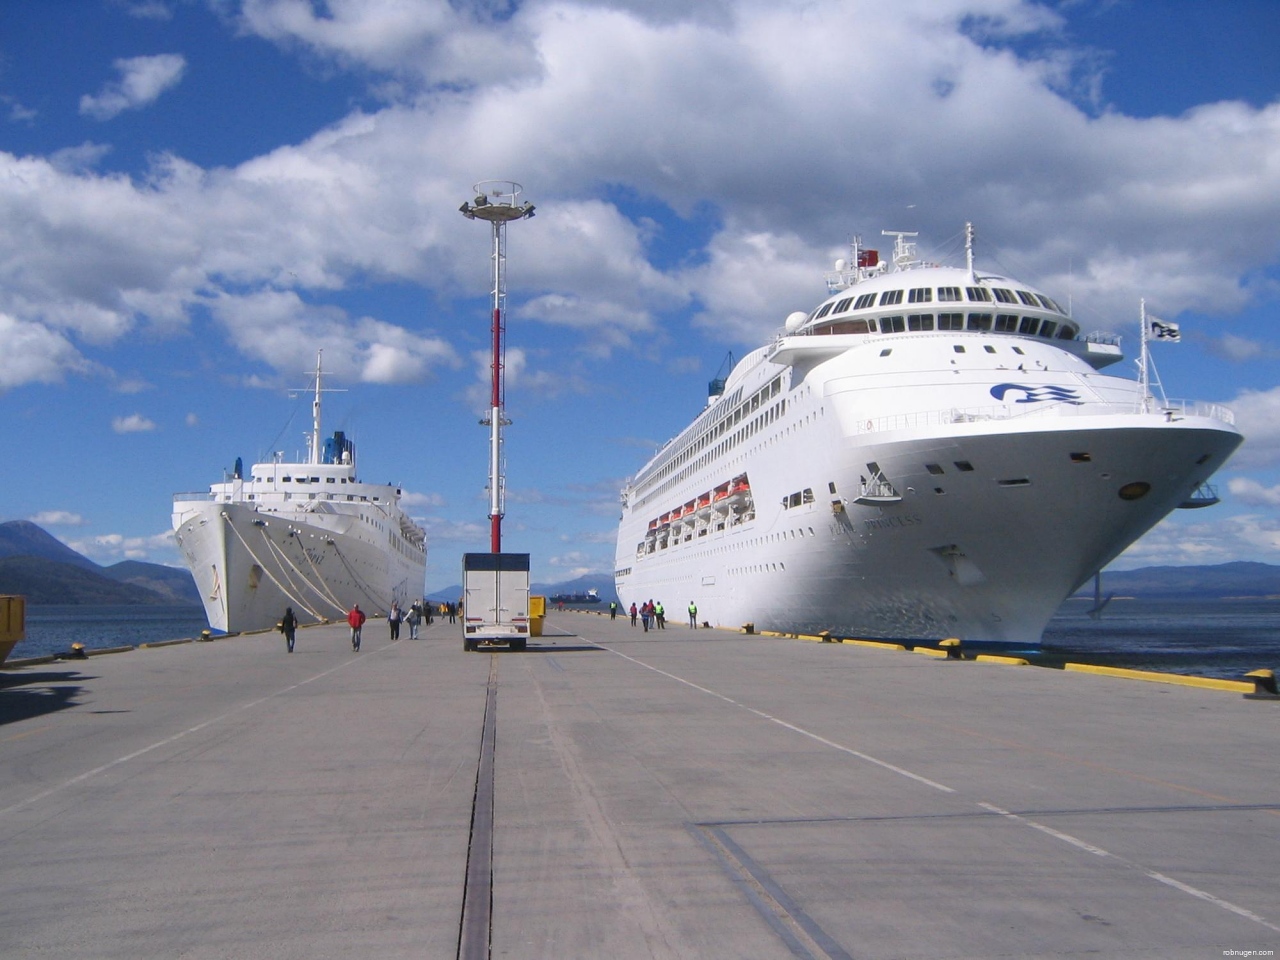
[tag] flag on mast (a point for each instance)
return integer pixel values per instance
(1163, 330)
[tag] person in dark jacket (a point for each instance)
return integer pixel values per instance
(288, 626)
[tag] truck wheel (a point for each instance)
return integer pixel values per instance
(467, 645)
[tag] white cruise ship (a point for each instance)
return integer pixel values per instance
(933, 452)
(310, 536)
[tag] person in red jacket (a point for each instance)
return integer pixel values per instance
(356, 618)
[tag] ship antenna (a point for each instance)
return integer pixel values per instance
(968, 248)
(313, 455)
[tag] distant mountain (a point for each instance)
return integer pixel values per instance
(22, 538)
(44, 581)
(1237, 579)
(171, 582)
(45, 570)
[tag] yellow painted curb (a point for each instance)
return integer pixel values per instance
(993, 658)
(1208, 683)
(163, 643)
(876, 644)
(930, 652)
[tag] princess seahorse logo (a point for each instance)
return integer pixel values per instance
(1037, 394)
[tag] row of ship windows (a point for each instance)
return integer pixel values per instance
(749, 429)
(890, 298)
(313, 496)
(288, 479)
(722, 426)
(924, 322)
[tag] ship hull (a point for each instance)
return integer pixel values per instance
(249, 565)
(985, 550)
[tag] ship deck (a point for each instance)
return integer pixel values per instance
(611, 793)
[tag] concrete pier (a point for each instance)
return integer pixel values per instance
(620, 794)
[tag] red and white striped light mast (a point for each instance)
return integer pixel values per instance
(497, 201)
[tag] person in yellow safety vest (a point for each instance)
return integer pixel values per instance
(660, 614)
(693, 615)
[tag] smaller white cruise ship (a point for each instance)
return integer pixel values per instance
(308, 535)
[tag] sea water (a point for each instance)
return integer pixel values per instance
(1207, 638)
(53, 629)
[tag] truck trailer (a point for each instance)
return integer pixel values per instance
(495, 600)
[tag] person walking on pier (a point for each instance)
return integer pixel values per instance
(356, 618)
(288, 625)
(613, 609)
(414, 617)
(660, 615)
(693, 615)
(633, 614)
(645, 611)
(394, 616)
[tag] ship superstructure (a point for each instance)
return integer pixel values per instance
(932, 452)
(309, 535)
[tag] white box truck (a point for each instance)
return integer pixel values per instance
(495, 599)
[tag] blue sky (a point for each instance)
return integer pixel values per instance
(196, 194)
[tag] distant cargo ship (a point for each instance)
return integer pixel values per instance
(307, 535)
(932, 452)
(591, 596)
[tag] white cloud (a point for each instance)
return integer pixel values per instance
(774, 158)
(192, 420)
(112, 547)
(409, 499)
(1258, 418)
(58, 518)
(142, 80)
(134, 423)
(35, 354)
(1250, 491)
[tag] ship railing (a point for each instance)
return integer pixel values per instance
(204, 497)
(1169, 409)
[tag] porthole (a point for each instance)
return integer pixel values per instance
(1135, 491)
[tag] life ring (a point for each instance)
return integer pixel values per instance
(868, 424)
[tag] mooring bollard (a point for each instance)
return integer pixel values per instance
(952, 646)
(1264, 685)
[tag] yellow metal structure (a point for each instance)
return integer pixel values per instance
(13, 623)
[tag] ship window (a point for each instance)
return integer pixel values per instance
(1019, 482)
(892, 324)
(315, 479)
(328, 479)
(1019, 352)
(989, 348)
(958, 348)
(808, 495)
(1047, 328)
(964, 466)
(935, 469)
(951, 321)
(1203, 457)
(831, 488)
(979, 321)
(1007, 322)
(1005, 296)
(948, 293)
(1066, 333)
(920, 321)
(864, 301)
(1048, 304)
(823, 312)
(1028, 298)
(885, 352)
(287, 479)
(795, 499)
(890, 297)
(978, 294)
(920, 295)
(1028, 325)
(843, 305)
(1081, 457)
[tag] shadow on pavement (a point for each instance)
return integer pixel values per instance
(59, 692)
